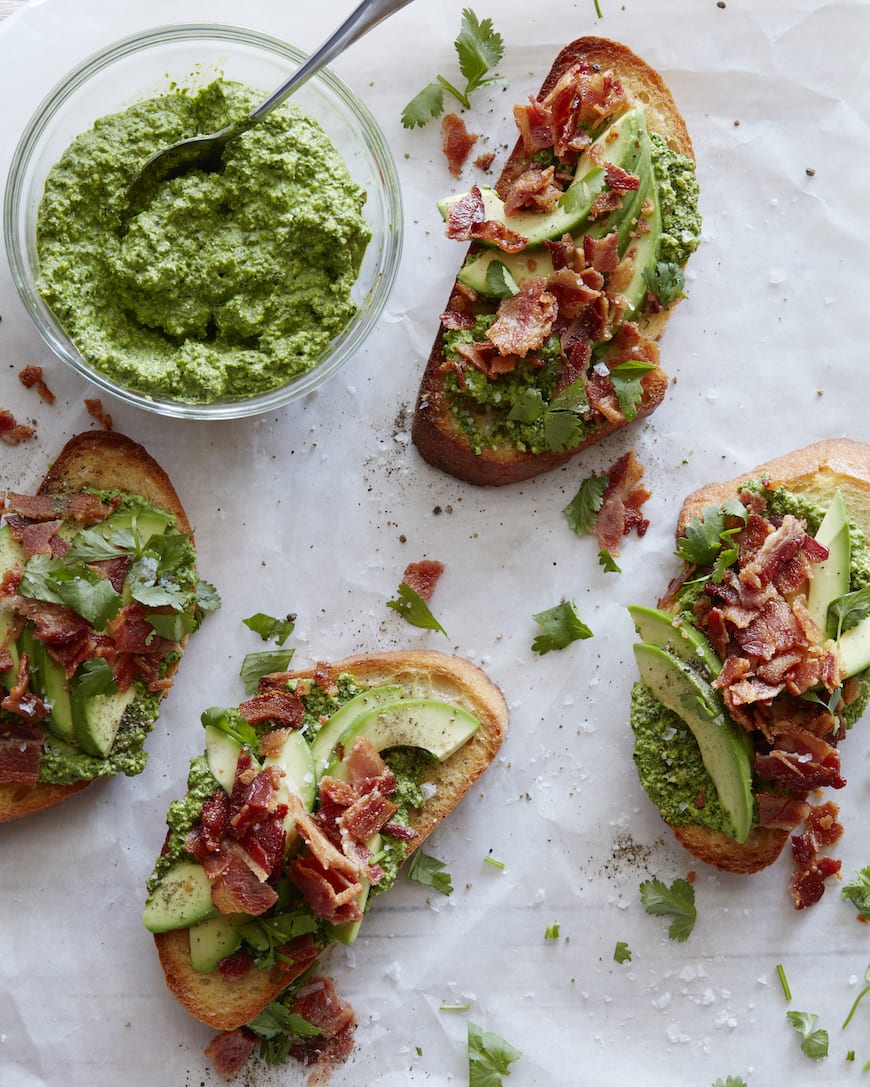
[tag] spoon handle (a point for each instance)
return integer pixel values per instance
(359, 22)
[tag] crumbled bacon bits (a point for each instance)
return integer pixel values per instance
(423, 576)
(32, 377)
(458, 142)
(98, 412)
(11, 431)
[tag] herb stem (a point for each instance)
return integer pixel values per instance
(854, 1007)
(457, 94)
(783, 980)
(598, 10)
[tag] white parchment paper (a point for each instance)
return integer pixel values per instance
(316, 509)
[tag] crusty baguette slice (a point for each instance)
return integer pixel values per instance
(816, 472)
(435, 431)
(108, 461)
(226, 1003)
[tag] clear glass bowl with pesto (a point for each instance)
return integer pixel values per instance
(230, 294)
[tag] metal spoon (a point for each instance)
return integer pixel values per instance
(206, 152)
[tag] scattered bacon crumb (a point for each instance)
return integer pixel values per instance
(31, 376)
(13, 432)
(691, 876)
(621, 503)
(423, 576)
(484, 161)
(811, 868)
(458, 142)
(96, 409)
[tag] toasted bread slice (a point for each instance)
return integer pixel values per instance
(436, 431)
(227, 1002)
(107, 461)
(815, 472)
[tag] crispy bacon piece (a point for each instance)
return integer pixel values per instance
(525, 320)
(214, 820)
(254, 797)
(423, 576)
(602, 254)
(88, 509)
(534, 189)
(484, 161)
(367, 815)
(811, 870)
(20, 753)
(485, 358)
(455, 320)
(457, 142)
(621, 503)
(781, 812)
(464, 214)
(535, 125)
(32, 376)
(319, 1003)
(21, 700)
(497, 234)
(36, 537)
(98, 412)
(230, 1050)
(571, 292)
(283, 708)
(13, 432)
(620, 180)
(328, 892)
(238, 889)
(581, 99)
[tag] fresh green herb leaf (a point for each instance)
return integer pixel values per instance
(424, 106)
(528, 407)
(858, 998)
(561, 625)
(666, 281)
(479, 48)
(269, 628)
(276, 1019)
(626, 379)
(499, 282)
(454, 1007)
(562, 429)
(857, 891)
(430, 872)
(232, 723)
(207, 598)
(414, 610)
(551, 932)
(581, 511)
(90, 545)
(726, 557)
(701, 540)
(488, 1057)
(95, 677)
(57, 581)
(622, 952)
(268, 935)
(677, 901)
(257, 665)
(494, 863)
(846, 612)
(814, 1042)
(173, 627)
(731, 1081)
(605, 559)
(783, 980)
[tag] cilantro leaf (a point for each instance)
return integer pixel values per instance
(730, 1081)
(583, 507)
(207, 597)
(429, 871)
(257, 665)
(95, 677)
(562, 429)
(90, 545)
(499, 282)
(57, 581)
(847, 611)
(528, 406)
(414, 609)
(479, 47)
(488, 1057)
(622, 952)
(700, 543)
(269, 628)
(814, 1043)
(561, 625)
(857, 891)
(626, 379)
(172, 627)
(276, 1019)
(677, 901)
(666, 281)
(605, 559)
(424, 106)
(232, 723)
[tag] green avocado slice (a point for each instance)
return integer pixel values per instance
(726, 749)
(657, 627)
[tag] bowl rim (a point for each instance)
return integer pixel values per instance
(341, 348)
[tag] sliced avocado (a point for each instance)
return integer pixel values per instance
(657, 627)
(344, 717)
(436, 727)
(97, 718)
(644, 256)
(854, 648)
(48, 680)
(299, 779)
(7, 621)
(182, 898)
(222, 754)
(12, 554)
(522, 266)
(726, 749)
(618, 145)
(830, 576)
(214, 940)
(147, 522)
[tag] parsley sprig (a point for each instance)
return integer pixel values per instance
(707, 541)
(677, 901)
(561, 625)
(583, 508)
(430, 872)
(814, 1043)
(857, 891)
(414, 609)
(479, 48)
(489, 1057)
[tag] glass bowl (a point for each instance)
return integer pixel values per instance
(147, 65)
